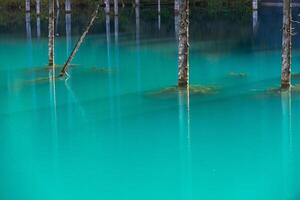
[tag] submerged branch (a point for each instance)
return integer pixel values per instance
(79, 42)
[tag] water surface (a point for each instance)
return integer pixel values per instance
(105, 133)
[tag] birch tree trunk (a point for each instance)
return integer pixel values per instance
(176, 6)
(27, 5)
(38, 7)
(183, 47)
(68, 5)
(116, 7)
(79, 42)
(57, 4)
(286, 45)
(107, 6)
(51, 33)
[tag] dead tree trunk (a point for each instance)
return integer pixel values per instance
(27, 5)
(286, 45)
(68, 6)
(107, 6)
(38, 7)
(79, 42)
(183, 47)
(57, 4)
(51, 33)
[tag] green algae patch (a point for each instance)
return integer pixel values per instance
(47, 68)
(193, 90)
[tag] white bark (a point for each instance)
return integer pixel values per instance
(27, 5)
(28, 25)
(176, 5)
(68, 7)
(116, 7)
(107, 6)
(38, 27)
(254, 4)
(38, 7)
(68, 19)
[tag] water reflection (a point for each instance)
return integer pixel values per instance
(287, 145)
(68, 19)
(185, 143)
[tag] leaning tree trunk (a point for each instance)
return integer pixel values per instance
(183, 47)
(79, 42)
(51, 33)
(286, 45)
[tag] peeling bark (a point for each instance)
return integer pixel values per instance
(79, 42)
(183, 46)
(286, 45)
(51, 34)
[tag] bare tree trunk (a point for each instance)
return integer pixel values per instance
(68, 5)
(38, 27)
(57, 4)
(116, 7)
(176, 6)
(51, 33)
(254, 4)
(68, 20)
(27, 5)
(286, 45)
(79, 42)
(183, 47)
(38, 7)
(107, 6)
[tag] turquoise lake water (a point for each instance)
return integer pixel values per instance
(105, 133)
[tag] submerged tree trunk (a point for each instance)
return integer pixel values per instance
(51, 33)
(286, 45)
(183, 47)
(79, 42)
